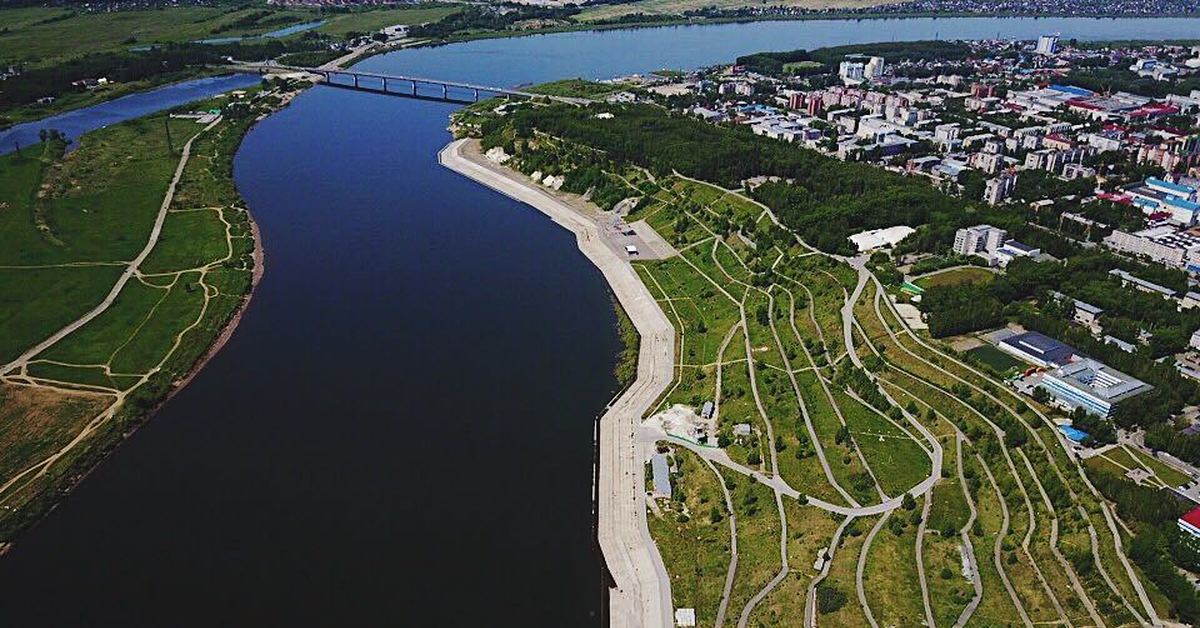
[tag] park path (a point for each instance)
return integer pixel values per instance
(965, 535)
(130, 270)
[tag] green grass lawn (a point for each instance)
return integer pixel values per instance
(70, 243)
(47, 34)
(692, 532)
(189, 239)
(758, 540)
(996, 359)
(890, 578)
(374, 19)
(1165, 472)
(576, 88)
(35, 303)
(967, 274)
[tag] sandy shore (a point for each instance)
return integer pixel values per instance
(642, 593)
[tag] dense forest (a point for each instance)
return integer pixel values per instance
(775, 62)
(123, 67)
(823, 199)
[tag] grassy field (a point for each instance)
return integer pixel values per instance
(576, 88)
(373, 19)
(955, 276)
(37, 35)
(1168, 474)
(692, 531)
(75, 221)
(996, 359)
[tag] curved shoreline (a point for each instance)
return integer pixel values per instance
(90, 462)
(641, 590)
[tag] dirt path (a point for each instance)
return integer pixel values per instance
(130, 270)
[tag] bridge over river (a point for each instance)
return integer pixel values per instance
(407, 86)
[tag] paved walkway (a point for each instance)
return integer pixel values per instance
(642, 593)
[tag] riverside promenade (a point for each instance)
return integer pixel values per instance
(642, 590)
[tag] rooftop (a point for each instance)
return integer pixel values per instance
(1141, 283)
(1182, 190)
(1192, 517)
(877, 238)
(1041, 347)
(1099, 380)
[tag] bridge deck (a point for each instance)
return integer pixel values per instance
(329, 73)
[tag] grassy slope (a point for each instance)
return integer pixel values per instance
(695, 544)
(98, 206)
(34, 36)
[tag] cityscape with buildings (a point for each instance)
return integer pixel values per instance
(900, 327)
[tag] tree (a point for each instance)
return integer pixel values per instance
(908, 503)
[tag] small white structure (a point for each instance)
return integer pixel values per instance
(879, 238)
(685, 617)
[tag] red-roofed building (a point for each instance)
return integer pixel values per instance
(1115, 198)
(1058, 142)
(1190, 522)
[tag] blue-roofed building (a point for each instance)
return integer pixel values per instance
(1072, 90)
(1038, 349)
(1182, 212)
(1174, 189)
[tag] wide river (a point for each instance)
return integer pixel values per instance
(400, 432)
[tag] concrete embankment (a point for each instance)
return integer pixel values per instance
(642, 593)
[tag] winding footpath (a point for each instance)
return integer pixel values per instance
(131, 269)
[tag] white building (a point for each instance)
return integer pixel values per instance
(1091, 385)
(851, 72)
(1047, 45)
(874, 68)
(999, 188)
(984, 239)
(1164, 245)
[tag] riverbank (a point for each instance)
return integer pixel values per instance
(228, 284)
(641, 594)
(668, 21)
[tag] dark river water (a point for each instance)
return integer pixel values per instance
(400, 432)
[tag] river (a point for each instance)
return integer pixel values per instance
(400, 431)
(79, 121)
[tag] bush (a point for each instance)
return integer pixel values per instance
(830, 599)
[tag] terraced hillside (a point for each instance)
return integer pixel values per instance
(860, 473)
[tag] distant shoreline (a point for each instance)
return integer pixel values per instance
(833, 17)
